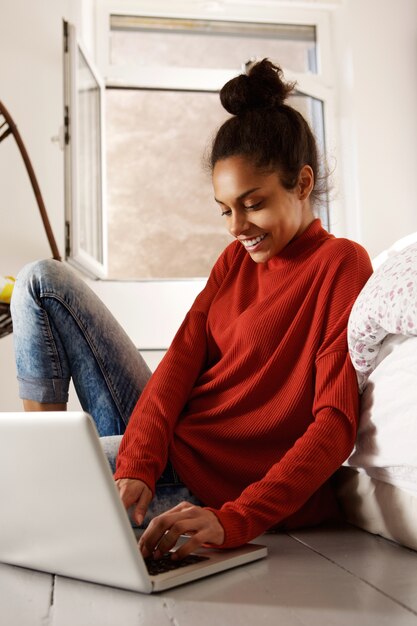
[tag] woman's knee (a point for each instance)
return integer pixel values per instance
(39, 271)
(36, 277)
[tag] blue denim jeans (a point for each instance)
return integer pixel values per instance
(62, 330)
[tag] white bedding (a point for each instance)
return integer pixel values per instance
(377, 488)
(382, 336)
(386, 445)
(378, 507)
(378, 485)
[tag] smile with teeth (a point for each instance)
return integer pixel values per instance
(249, 243)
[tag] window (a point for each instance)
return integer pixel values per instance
(86, 245)
(209, 44)
(163, 74)
(162, 221)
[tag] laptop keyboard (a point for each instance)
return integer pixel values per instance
(166, 564)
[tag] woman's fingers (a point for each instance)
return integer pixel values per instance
(165, 544)
(142, 505)
(135, 492)
(164, 531)
(191, 545)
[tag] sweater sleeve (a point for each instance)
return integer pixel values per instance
(143, 452)
(329, 438)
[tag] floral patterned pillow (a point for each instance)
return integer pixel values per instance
(386, 305)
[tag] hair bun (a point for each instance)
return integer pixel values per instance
(262, 87)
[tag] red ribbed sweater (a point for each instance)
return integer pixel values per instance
(256, 400)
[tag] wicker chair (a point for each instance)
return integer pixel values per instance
(8, 127)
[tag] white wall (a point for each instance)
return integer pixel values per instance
(375, 47)
(31, 89)
(376, 44)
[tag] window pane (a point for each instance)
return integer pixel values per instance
(89, 161)
(209, 44)
(312, 110)
(162, 219)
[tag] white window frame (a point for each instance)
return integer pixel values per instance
(317, 13)
(318, 85)
(253, 11)
(75, 254)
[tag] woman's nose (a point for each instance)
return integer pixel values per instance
(238, 223)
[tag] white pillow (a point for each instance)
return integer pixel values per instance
(397, 246)
(386, 444)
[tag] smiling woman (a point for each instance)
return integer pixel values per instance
(264, 405)
(267, 216)
(265, 164)
(255, 404)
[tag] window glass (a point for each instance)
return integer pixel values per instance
(161, 213)
(89, 162)
(85, 214)
(148, 41)
(162, 218)
(313, 111)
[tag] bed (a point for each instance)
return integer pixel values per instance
(377, 486)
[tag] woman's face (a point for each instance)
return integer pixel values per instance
(258, 210)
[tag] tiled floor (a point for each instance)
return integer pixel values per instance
(324, 577)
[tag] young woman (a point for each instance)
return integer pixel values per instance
(255, 403)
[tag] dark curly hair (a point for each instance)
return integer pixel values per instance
(265, 130)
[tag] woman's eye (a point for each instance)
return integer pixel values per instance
(253, 207)
(226, 213)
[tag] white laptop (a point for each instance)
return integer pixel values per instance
(61, 512)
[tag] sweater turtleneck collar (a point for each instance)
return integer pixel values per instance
(313, 234)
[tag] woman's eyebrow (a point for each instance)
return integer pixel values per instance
(241, 196)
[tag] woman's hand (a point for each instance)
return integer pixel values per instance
(135, 492)
(184, 519)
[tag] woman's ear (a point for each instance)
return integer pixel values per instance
(305, 183)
